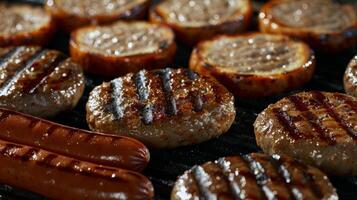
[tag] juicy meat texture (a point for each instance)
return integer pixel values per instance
(350, 78)
(253, 176)
(163, 108)
(318, 128)
(38, 81)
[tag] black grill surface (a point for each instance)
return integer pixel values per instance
(166, 165)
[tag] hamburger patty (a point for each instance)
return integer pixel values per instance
(162, 108)
(318, 128)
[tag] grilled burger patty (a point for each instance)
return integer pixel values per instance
(72, 14)
(255, 65)
(24, 25)
(324, 24)
(123, 47)
(38, 81)
(318, 128)
(253, 176)
(196, 20)
(350, 78)
(163, 108)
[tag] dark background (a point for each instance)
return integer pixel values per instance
(166, 165)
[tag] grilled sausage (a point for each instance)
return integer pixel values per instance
(60, 177)
(163, 108)
(350, 78)
(123, 47)
(97, 148)
(196, 20)
(70, 15)
(255, 65)
(325, 25)
(24, 25)
(253, 176)
(38, 81)
(318, 128)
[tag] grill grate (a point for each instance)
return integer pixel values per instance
(166, 165)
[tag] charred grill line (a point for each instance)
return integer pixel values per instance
(233, 186)
(8, 148)
(201, 178)
(329, 109)
(286, 121)
(116, 87)
(285, 175)
(40, 79)
(195, 96)
(349, 102)
(29, 154)
(10, 54)
(312, 119)
(4, 116)
(8, 83)
(165, 76)
(260, 176)
(141, 84)
(51, 130)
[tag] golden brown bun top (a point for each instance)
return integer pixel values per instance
(322, 16)
(196, 13)
(21, 18)
(124, 38)
(94, 7)
(261, 54)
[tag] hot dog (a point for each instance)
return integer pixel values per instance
(60, 177)
(98, 148)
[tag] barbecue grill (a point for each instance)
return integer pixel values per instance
(166, 165)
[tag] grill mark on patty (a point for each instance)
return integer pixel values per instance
(6, 57)
(313, 120)
(195, 96)
(42, 77)
(329, 109)
(233, 186)
(8, 148)
(143, 91)
(202, 178)
(288, 123)
(9, 82)
(117, 98)
(260, 176)
(165, 75)
(285, 175)
(347, 100)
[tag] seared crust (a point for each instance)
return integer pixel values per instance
(318, 128)
(254, 176)
(163, 108)
(255, 65)
(217, 19)
(323, 24)
(70, 15)
(156, 49)
(24, 25)
(39, 82)
(350, 78)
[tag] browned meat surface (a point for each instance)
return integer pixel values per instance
(254, 176)
(255, 65)
(162, 108)
(38, 81)
(350, 78)
(318, 128)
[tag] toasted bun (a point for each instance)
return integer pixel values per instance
(325, 25)
(24, 25)
(194, 21)
(70, 15)
(122, 47)
(255, 65)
